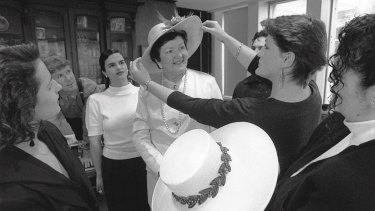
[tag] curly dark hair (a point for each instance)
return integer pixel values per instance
(303, 35)
(18, 90)
(356, 51)
(171, 35)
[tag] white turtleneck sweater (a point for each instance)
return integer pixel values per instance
(360, 132)
(111, 113)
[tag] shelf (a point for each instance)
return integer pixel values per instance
(50, 26)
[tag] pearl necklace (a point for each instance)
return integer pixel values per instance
(179, 123)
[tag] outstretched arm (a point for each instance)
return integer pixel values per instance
(241, 52)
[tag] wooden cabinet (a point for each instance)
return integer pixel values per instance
(78, 30)
(11, 30)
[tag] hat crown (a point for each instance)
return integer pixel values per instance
(191, 163)
(155, 32)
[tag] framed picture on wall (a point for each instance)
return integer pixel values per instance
(118, 24)
(40, 33)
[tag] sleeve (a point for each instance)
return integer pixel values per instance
(89, 88)
(93, 119)
(253, 65)
(337, 190)
(215, 112)
(142, 136)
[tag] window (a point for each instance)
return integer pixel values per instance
(342, 12)
(294, 7)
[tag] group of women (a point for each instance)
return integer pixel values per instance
(322, 167)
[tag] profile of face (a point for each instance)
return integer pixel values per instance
(258, 44)
(174, 56)
(65, 77)
(355, 101)
(116, 69)
(47, 105)
(271, 60)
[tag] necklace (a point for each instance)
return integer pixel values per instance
(178, 124)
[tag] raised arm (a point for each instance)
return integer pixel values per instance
(212, 112)
(240, 51)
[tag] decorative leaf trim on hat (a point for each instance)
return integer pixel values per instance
(215, 183)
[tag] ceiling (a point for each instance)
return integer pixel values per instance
(209, 5)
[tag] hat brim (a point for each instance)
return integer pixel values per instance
(251, 182)
(192, 25)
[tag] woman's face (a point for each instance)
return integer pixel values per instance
(47, 105)
(271, 60)
(174, 56)
(65, 77)
(116, 69)
(355, 104)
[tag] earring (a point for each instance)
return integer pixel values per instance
(282, 78)
(32, 143)
(373, 103)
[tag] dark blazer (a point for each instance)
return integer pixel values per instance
(27, 183)
(342, 182)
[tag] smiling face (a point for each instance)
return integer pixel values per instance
(47, 105)
(116, 70)
(271, 61)
(355, 101)
(65, 77)
(174, 56)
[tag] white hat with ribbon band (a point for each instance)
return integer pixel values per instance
(233, 168)
(191, 25)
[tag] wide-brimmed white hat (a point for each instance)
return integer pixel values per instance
(191, 25)
(233, 168)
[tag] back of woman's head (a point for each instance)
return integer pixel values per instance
(18, 90)
(55, 63)
(356, 51)
(306, 37)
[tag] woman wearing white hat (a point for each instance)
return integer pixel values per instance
(295, 49)
(157, 125)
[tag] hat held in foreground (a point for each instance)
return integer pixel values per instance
(191, 25)
(233, 168)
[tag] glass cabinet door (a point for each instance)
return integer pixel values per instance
(120, 36)
(10, 26)
(88, 47)
(49, 33)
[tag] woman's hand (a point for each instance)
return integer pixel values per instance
(214, 28)
(99, 185)
(138, 72)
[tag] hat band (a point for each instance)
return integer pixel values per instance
(215, 183)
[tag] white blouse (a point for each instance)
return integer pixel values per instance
(150, 134)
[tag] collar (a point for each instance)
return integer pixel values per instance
(361, 132)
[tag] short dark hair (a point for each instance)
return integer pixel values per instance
(18, 91)
(356, 51)
(171, 35)
(303, 35)
(261, 33)
(55, 63)
(104, 56)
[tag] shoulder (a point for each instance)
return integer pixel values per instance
(90, 86)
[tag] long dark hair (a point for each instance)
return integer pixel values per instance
(18, 90)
